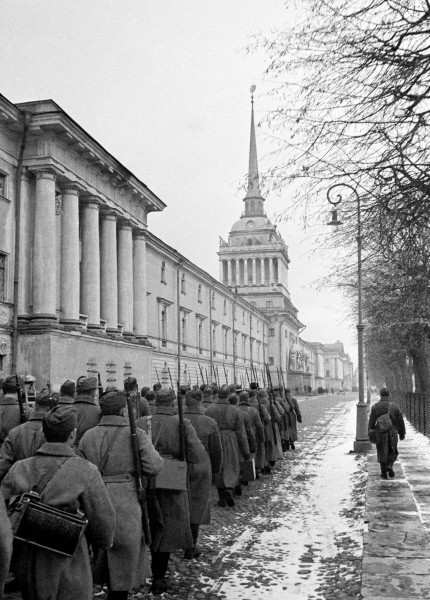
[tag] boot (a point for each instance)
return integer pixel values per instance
(238, 490)
(384, 471)
(292, 446)
(390, 471)
(222, 498)
(229, 498)
(285, 445)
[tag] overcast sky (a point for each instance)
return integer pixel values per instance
(163, 85)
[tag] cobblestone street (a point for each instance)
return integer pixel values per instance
(296, 534)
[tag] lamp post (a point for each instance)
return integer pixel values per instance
(361, 443)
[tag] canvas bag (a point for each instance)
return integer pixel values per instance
(384, 422)
(173, 475)
(38, 524)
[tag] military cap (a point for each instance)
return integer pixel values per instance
(156, 386)
(214, 389)
(288, 390)
(130, 384)
(233, 398)
(68, 388)
(207, 393)
(183, 389)
(144, 391)
(150, 396)
(244, 395)
(253, 385)
(252, 393)
(193, 396)
(223, 392)
(112, 402)
(384, 392)
(61, 419)
(203, 387)
(262, 394)
(42, 398)
(86, 384)
(10, 384)
(164, 396)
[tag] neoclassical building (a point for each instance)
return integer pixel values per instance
(85, 287)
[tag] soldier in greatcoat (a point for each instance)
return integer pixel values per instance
(108, 446)
(271, 432)
(24, 440)
(86, 406)
(234, 444)
(67, 392)
(169, 509)
(250, 436)
(294, 415)
(207, 399)
(201, 474)
(10, 415)
(256, 424)
(263, 413)
(76, 484)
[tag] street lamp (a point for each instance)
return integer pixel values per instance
(361, 443)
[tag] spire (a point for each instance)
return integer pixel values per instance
(253, 191)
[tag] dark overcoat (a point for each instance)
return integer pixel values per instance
(88, 415)
(263, 413)
(233, 438)
(258, 430)
(44, 575)
(10, 416)
(386, 443)
(22, 442)
(200, 474)
(108, 446)
(271, 429)
(170, 507)
(293, 415)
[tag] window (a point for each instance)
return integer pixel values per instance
(163, 325)
(213, 299)
(183, 283)
(200, 336)
(225, 307)
(199, 293)
(214, 349)
(258, 325)
(234, 312)
(243, 318)
(269, 304)
(2, 185)
(271, 360)
(2, 277)
(163, 272)
(184, 332)
(244, 347)
(225, 342)
(271, 332)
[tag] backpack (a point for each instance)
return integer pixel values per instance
(384, 423)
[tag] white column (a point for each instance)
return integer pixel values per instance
(275, 271)
(221, 271)
(69, 279)
(254, 271)
(125, 277)
(90, 262)
(108, 271)
(44, 258)
(140, 316)
(270, 270)
(237, 282)
(24, 248)
(245, 271)
(229, 273)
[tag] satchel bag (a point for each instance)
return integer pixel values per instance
(384, 423)
(173, 475)
(38, 524)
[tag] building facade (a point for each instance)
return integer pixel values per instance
(85, 287)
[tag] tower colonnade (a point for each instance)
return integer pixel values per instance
(249, 271)
(101, 273)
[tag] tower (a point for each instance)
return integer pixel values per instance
(255, 263)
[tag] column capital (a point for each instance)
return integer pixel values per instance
(139, 233)
(45, 173)
(124, 223)
(108, 214)
(91, 201)
(71, 188)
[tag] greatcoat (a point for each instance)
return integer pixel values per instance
(386, 443)
(88, 415)
(10, 416)
(200, 476)
(294, 415)
(271, 448)
(169, 510)
(234, 442)
(257, 427)
(44, 575)
(22, 442)
(108, 446)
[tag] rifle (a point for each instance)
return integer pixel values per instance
(157, 375)
(283, 382)
(217, 376)
(201, 374)
(197, 376)
(138, 471)
(247, 376)
(271, 400)
(51, 401)
(182, 453)
(207, 378)
(279, 379)
(22, 416)
(100, 387)
(171, 380)
(255, 375)
(264, 379)
(225, 374)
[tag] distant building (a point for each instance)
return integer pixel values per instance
(86, 288)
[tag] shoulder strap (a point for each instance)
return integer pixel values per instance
(46, 478)
(106, 455)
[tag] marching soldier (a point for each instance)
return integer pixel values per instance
(207, 397)
(85, 405)
(108, 446)
(24, 440)
(10, 415)
(294, 415)
(75, 483)
(255, 421)
(200, 475)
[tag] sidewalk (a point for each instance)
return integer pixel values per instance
(396, 553)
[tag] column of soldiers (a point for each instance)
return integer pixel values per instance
(84, 436)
